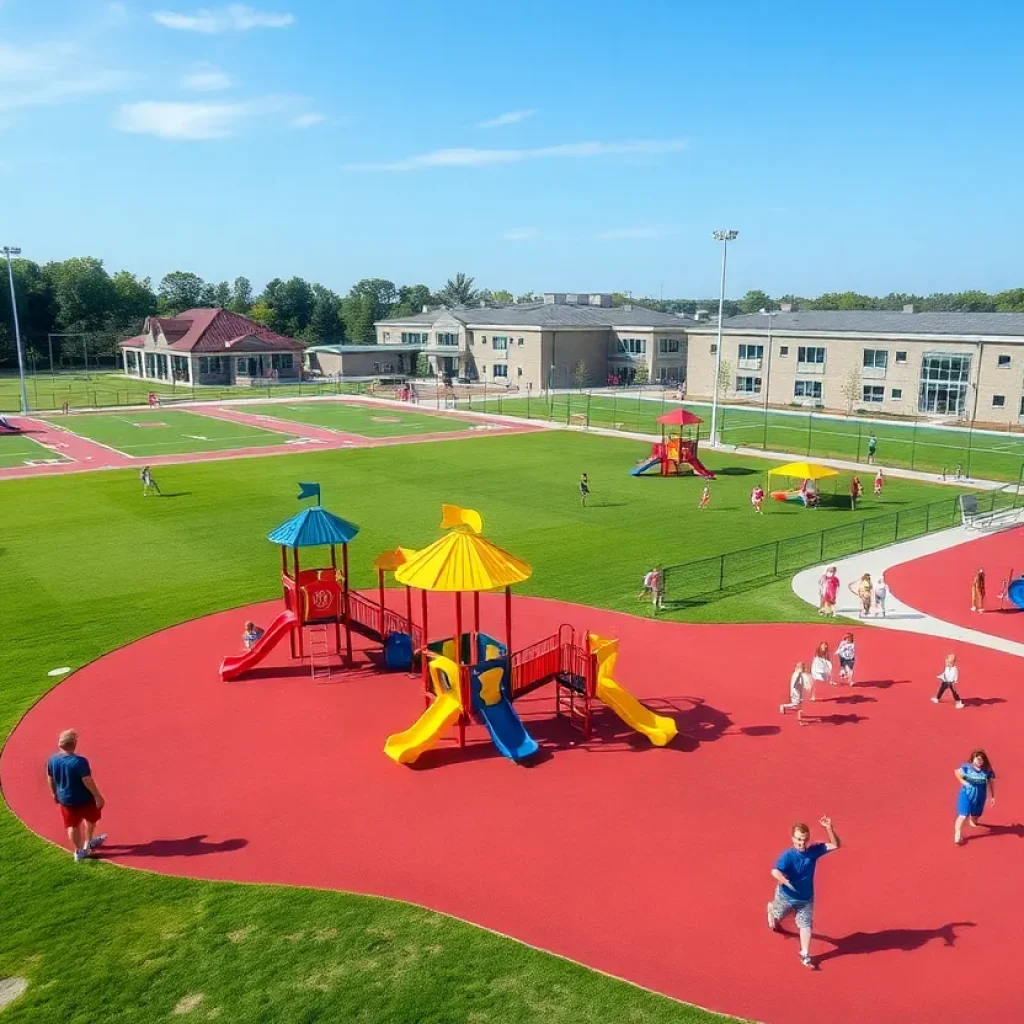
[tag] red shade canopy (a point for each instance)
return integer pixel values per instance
(679, 418)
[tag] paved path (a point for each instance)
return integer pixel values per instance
(900, 616)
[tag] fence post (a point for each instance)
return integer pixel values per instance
(821, 547)
(928, 518)
(913, 455)
(615, 400)
(970, 447)
(639, 399)
(589, 397)
(721, 572)
(776, 571)
(810, 421)
(863, 525)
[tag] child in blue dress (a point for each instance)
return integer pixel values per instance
(977, 784)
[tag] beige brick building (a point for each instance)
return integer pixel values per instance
(561, 342)
(969, 365)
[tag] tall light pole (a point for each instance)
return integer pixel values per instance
(768, 370)
(10, 252)
(725, 237)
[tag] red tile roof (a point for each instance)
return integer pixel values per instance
(213, 330)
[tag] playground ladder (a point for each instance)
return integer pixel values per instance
(319, 653)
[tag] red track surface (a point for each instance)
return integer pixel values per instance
(651, 864)
(940, 584)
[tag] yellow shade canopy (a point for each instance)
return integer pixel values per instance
(803, 471)
(462, 560)
(393, 559)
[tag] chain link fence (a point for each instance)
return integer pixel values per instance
(696, 581)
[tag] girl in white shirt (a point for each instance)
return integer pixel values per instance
(948, 679)
(821, 667)
(846, 653)
(799, 684)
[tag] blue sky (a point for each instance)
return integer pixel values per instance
(570, 146)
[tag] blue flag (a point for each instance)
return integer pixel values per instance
(309, 491)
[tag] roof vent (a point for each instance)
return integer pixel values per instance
(701, 316)
(628, 307)
(908, 307)
(785, 307)
(426, 309)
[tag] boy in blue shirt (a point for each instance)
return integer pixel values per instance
(794, 875)
(77, 795)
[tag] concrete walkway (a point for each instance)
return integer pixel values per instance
(900, 616)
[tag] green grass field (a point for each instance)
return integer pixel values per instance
(365, 420)
(99, 943)
(985, 455)
(104, 388)
(144, 434)
(20, 449)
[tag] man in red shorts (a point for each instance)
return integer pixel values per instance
(77, 795)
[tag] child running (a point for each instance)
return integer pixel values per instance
(584, 490)
(821, 668)
(878, 484)
(705, 497)
(847, 654)
(978, 592)
(799, 684)
(881, 593)
(977, 784)
(757, 499)
(948, 678)
(863, 589)
(828, 591)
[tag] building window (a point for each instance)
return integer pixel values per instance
(998, 401)
(783, 350)
(876, 359)
(414, 338)
(748, 385)
(901, 357)
(499, 342)
(807, 389)
(944, 382)
(874, 393)
(519, 371)
(714, 348)
(897, 394)
(520, 342)
(483, 340)
(447, 339)
(809, 355)
(281, 361)
(1004, 362)
(632, 346)
(499, 370)
(387, 337)
(751, 352)
(666, 345)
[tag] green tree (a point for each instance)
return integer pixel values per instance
(643, 374)
(83, 293)
(1011, 301)
(292, 303)
(261, 313)
(325, 321)
(134, 300)
(222, 295)
(422, 365)
(411, 299)
(503, 297)
(37, 309)
(241, 296)
(369, 300)
(180, 290)
(527, 297)
(754, 301)
(458, 291)
(581, 375)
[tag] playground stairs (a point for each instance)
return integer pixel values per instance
(319, 654)
(571, 701)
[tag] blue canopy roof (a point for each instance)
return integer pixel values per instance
(313, 527)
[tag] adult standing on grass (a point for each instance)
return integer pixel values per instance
(794, 877)
(978, 591)
(977, 784)
(872, 448)
(584, 490)
(148, 483)
(77, 795)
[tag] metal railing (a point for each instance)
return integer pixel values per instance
(696, 581)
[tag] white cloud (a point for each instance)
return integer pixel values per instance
(512, 117)
(194, 121)
(486, 157)
(307, 120)
(207, 79)
(51, 73)
(647, 231)
(519, 234)
(233, 18)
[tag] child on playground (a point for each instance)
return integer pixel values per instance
(799, 684)
(881, 593)
(977, 784)
(148, 483)
(648, 586)
(948, 678)
(878, 483)
(757, 499)
(584, 490)
(863, 589)
(705, 497)
(828, 590)
(856, 489)
(251, 635)
(978, 592)
(821, 667)
(847, 654)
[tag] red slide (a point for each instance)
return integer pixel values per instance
(698, 467)
(236, 665)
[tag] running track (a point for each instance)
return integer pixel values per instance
(649, 864)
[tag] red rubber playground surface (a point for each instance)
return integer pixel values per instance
(940, 584)
(651, 864)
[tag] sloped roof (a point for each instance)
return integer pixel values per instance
(864, 321)
(313, 527)
(546, 315)
(136, 342)
(216, 330)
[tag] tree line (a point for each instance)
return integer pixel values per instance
(80, 300)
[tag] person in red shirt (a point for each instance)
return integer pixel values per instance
(878, 484)
(828, 588)
(757, 499)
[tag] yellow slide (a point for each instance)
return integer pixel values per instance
(405, 747)
(659, 729)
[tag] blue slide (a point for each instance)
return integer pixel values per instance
(1015, 592)
(495, 710)
(642, 467)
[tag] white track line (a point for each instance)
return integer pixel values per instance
(899, 615)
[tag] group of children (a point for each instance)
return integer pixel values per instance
(808, 493)
(871, 594)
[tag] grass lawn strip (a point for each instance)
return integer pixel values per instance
(364, 420)
(21, 450)
(263, 953)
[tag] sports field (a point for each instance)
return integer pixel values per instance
(365, 420)
(269, 953)
(20, 449)
(144, 434)
(982, 454)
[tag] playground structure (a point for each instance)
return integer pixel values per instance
(1012, 590)
(675, 454)
(318, 603)
(808, 473)
(473, 675)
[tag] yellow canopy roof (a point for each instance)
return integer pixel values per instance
(803, 471)
(462, 560)
(393, 559)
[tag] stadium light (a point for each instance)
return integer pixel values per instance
(10, 251)
(725, 237)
